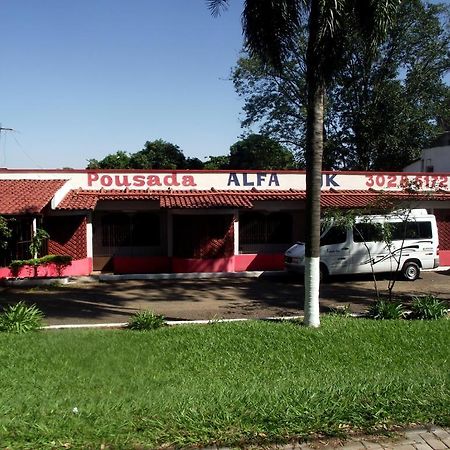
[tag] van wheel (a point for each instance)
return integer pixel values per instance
(410, 271)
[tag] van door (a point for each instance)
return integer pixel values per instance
(335, 250)
(369, 250)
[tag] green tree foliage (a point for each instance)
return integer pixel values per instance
(275, 101)
(253, 152)
(157, 154)
(382, 107)
(5, 233)
(118, 160)
(260, 152)
(37, 242)
(217, 163)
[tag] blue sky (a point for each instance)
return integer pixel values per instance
(81, 79)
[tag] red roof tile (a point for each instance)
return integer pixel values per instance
(361, 199)
(27, 196)
(87, 199)
(206, 199)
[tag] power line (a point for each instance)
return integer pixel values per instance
(18, 143)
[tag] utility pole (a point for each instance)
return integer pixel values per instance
(4, 129)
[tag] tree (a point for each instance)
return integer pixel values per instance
(390, 100)
(274, 100)
(193, 164)
(260, 152)
(37, 242)
(270, 28)
(118, 160)
(5, 233)
(158, 154)
(217, 163)
(382, 107)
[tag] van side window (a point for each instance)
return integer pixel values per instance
(367, 232)
(334, 235)
(411, 230)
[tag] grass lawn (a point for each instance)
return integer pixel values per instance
(225, 383)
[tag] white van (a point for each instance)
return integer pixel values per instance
(360, 249)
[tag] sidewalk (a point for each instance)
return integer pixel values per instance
(436, 438)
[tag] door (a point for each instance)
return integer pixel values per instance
(335, 250)
(369, 250)
(203, 236)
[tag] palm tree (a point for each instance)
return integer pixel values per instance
(269, 28)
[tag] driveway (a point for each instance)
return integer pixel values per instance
(276, 295)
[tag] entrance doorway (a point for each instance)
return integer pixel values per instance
(203, 236)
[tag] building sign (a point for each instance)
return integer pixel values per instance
(139, 181)
(233, 180)
(261, 180)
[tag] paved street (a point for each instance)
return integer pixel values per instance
(212, 298)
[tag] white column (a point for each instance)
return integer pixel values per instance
(236, 232)
(33, 233)
(169, 234)
(89, 236)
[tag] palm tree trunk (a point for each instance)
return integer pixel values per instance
(314, 151)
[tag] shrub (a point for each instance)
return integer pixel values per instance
(146, 320)
(20, 318)
(428, 307)
(341, 310)
(61, 261)
(386, 309)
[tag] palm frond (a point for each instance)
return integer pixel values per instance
(217, 6)
(374, 17)
(269, 27)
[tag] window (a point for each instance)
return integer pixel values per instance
(335, 235)
(130, 230)
(146, 229)
(368, 232)
(18, 245)
(411, 230)
(260, 228)
(399, 231)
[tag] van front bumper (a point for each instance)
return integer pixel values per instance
(292, 266)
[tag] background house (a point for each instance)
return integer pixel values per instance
(434, 159)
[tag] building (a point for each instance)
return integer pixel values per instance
(188, 221)
(435, 159)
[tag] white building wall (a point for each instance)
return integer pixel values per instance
(436, 159)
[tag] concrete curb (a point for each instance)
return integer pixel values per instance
(168, 322)
(31, 282)
(189, 276)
